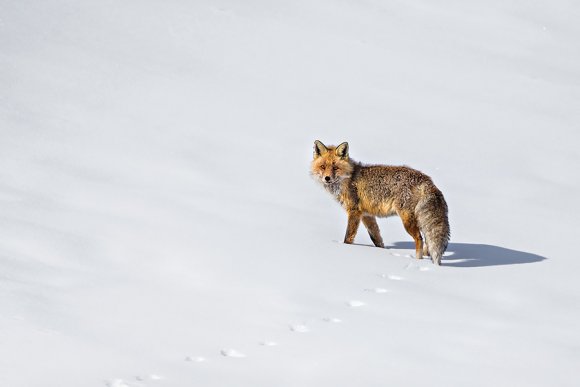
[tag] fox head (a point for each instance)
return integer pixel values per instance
(331, 164)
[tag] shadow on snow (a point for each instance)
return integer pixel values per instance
(477, 255)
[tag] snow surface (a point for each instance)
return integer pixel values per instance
(159, 227)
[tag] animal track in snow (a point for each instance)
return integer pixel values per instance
(402, 255)
(197, 359)
(268, 343)
(417, 266)
(150, 377)
(355, 303)
(299, 328)
(117, 383)
(392, 277)
(230, 352)
(377, 290)
(332, 320)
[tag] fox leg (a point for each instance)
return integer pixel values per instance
(412, 228)
(373, 228)
(426, 248)
(352, 226)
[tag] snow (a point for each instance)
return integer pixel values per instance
(159, 227)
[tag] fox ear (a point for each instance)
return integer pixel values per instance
(342, 150)
(319, 149)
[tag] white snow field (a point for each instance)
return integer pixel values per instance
(159, 228)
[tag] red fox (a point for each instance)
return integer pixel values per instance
(368, 191)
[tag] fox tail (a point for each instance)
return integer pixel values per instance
(431, 213)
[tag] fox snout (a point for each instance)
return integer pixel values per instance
(328, 177)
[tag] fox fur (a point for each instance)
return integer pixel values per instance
(370, 191)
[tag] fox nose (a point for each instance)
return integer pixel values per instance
(327, 178)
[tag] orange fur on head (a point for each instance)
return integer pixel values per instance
(331, 164)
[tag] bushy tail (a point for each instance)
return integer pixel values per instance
(431, 213)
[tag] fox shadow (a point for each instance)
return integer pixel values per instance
(478, 255)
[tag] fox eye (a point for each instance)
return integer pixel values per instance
(334, 168)
(322, 167)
